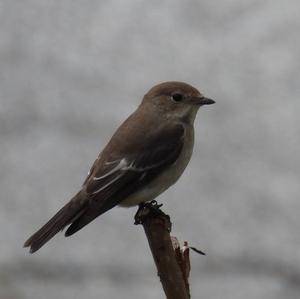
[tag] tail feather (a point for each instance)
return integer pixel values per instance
(58, 222)
(94, 210)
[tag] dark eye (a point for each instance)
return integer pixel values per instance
(177, 97)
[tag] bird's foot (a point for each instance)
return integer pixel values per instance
(147, 208)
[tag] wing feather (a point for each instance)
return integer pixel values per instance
(111, 183)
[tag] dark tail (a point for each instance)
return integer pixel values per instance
(69, 213)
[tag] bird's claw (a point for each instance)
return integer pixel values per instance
(147, 208)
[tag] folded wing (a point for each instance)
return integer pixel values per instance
(129, 174)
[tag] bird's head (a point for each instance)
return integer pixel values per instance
(176, 100)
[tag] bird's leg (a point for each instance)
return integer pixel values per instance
(147, 208)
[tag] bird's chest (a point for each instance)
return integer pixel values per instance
(176, 169)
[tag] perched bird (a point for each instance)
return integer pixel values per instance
(146, 155)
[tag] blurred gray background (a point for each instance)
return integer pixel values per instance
(71, 71)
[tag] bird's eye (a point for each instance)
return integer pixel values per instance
(177, 97)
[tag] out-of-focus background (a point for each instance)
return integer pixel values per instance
(71, 71)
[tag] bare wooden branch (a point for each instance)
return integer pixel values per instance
(172, 265)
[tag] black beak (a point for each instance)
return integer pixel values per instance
(201, 101)
(206, 101)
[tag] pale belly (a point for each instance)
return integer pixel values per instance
(167, 178)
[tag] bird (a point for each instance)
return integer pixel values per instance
(144, 157)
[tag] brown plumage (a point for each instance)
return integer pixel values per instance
(145, 156)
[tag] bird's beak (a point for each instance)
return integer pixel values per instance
(201, 101)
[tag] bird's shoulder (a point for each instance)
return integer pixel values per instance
(142, 131)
